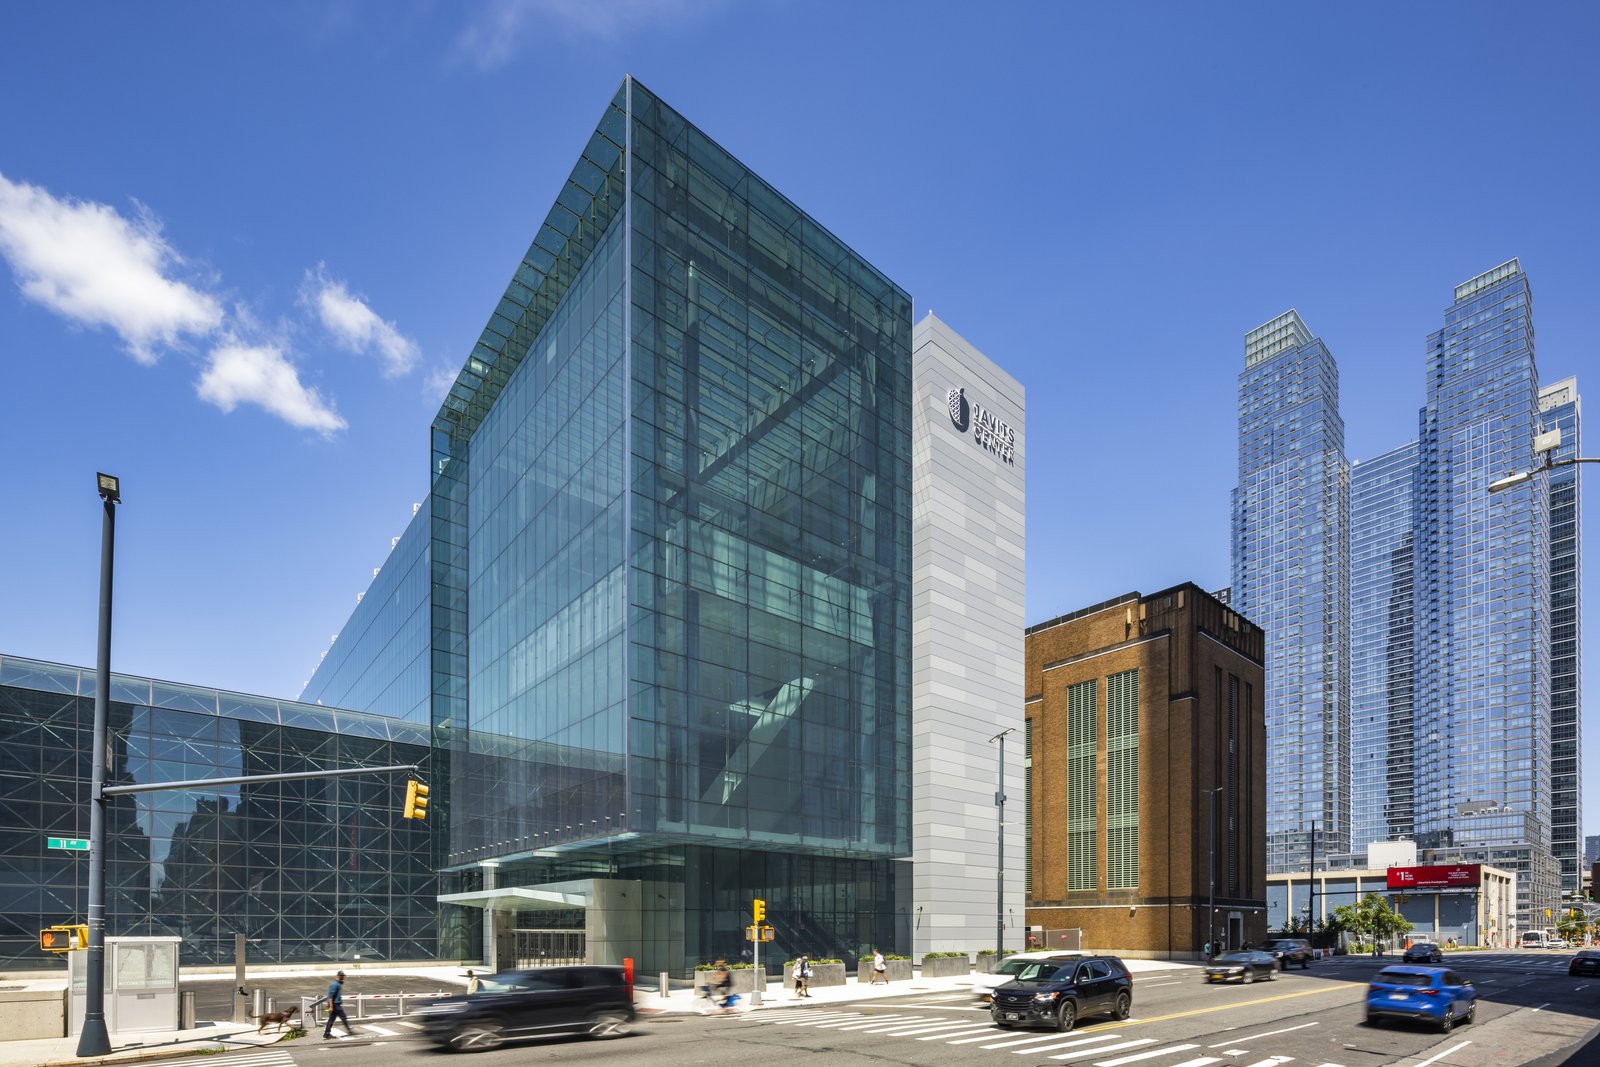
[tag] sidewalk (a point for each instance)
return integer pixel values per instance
(690, 1001)
(131, 1048)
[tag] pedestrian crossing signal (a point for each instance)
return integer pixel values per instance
(416, 800)
(63, 938)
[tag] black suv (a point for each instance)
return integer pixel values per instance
(1290, 950)
(548, 1000)
(1057, 991)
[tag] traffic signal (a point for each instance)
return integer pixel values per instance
(759, 911)
(416, 800)
(63, 938)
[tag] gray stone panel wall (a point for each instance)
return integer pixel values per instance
(968, 553)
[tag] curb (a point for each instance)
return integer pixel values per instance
(163, 1051)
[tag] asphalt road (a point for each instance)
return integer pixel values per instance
(1529, 1011)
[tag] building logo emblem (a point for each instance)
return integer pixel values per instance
(989, 431)
(956, 399)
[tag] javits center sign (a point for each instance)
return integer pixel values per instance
(989, 431)
(1448, 876)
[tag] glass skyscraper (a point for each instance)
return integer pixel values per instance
(1382, 648)
(1483, 604)
(668, 547)
(1291, 576)
(1559, 409)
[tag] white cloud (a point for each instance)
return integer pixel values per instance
(87, 263)
(239, 373)
(357, 327)
(497, 31)
(436, 386)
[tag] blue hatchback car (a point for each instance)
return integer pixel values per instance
(1432, 994)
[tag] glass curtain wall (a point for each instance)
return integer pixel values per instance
(310, 870)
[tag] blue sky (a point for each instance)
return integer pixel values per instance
(244, 244)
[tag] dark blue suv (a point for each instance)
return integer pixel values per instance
(1432, 994)
(1055, 992)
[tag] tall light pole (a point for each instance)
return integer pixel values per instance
(1000, 850)
(94, 1040)
(1211, 907)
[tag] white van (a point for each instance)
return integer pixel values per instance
(1537, 939)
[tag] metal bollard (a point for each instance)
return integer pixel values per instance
(186, 1010)
(663, 985)
(258, 1002)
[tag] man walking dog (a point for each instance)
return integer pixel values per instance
(335, 999)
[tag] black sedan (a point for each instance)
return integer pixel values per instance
(597, 1001)
(1243, 967)
(1424, 952)
(1585, 962)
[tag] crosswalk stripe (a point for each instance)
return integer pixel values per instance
(1140, 1043)
(1271, 1061)
(959, 1033)
(1137, 1056)
(1257, 1037)
(808, 1017)
(891, 1028)
(1199, 1061)
(380, 1030)
(1014, 1042)
(256, 1059)
(1077, 1042)
(409, 1024)
(920, 1029)
(905, 1020)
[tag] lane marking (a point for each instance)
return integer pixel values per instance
(1152, 1054)
(1258, 1037)
(1443, 1054)
(1353, 994)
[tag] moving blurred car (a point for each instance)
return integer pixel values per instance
(1057, 992)
(984, 985)
(1432, 994)
(1243, 967)
(1290, 950)
(1424, 952)
(597, 1001)
(1585, 962)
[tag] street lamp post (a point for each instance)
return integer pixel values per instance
(1000, 847)
(1211, 906)
(94, 1039)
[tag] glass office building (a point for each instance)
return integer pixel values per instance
(316, 870)
(1382, 649)
(1483, 607)
(668, 551)
(1559, 409)
(1291, 576)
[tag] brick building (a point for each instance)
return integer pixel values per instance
(1141, 712)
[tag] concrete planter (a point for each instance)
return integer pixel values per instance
(744, 979)
(821, 974)
(945, 966)
(898, 970)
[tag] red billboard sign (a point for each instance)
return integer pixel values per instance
(1447, 876)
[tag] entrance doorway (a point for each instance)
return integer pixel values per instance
(542, 947)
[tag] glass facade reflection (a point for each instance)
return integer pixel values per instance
(1382, 649)
(310, 870)
(668, 558)
(1291, 576)
(1559, 409)
(1483, 629)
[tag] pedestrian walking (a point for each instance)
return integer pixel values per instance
(802, 976)
(473, 983)
(880, 969)
(335, 999)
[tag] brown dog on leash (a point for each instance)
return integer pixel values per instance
(282, 1018)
